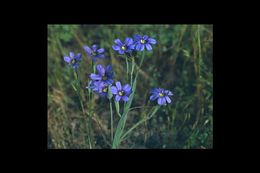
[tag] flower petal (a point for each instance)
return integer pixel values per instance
(118, 42)
(155, 91)
(137, 37)
(161, 101)
(114, 90)
(110, 81)
(154, 96)
(78, 56)
(168, 99)
(132, 46)
(127, 88)
(109, 68)
(94, 47)
(87, 49)
(142, 47)
(125, 98)
(72, 54)
(138, 47)
(118, 85)
(148, 47)
(169, 93)
(151, 41)
(67, 59)
(100, 56)
(95, 76)
(128, 41)
(101, 50)
(74, 66)
(100, 69)
(121, 52)
(116, 47)
(145, 37)
(118, 98)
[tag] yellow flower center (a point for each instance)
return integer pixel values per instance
(94, 53)
(104, 78)
(73, 61)
(121, 93)
(104, 90)
(161, 94)
(142, 41)
(123, 48)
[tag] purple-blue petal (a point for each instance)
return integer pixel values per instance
(118, 85)
(128, 41)
(127, 88)
(145, 37)
(100, 56)
(169, 93)
(87, 49)
(118, 42)
(71, 54)
(137, 37)
(110, 81)
(138, 46)
(168, 99)
(132, 46)
(78, 56)
(101, 50)
(94, 47)
(125, 98)
(118, 98)
(115, 47)
(100, 69)
(95, 76)
(142, 47)
(109, 68)
(155, 90)
(114, 90)
(121, 52)
(148, 47)
(161, 101)
(151, 41)
(67, 59)
(154, 96)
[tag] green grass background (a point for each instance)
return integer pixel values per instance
(181, 61)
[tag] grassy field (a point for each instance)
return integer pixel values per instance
(181, 61)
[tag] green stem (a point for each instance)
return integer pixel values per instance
(132, 70)
(78, 91)
(140, 122)
(126, 60)
(111, 116)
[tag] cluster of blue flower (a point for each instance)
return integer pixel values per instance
(103, 78)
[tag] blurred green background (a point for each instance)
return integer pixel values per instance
(181, 61)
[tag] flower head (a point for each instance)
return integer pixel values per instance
(143, 41)
(99, 87)
(94, 52)
(125, 47)
(104, 75)
(73, 60)
(161, 95)
(121, 92)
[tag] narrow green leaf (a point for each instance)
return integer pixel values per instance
(109, 93)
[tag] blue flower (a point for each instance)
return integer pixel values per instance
(73, 60)
(143, 41)
(99, 87)
(125, 47)
(121, 92)
(94, 53)
(161, 95)
(104, 75)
